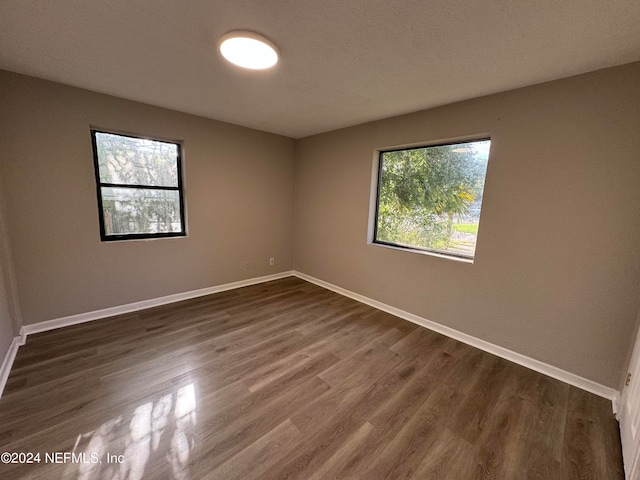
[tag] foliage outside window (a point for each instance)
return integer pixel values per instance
(139, 187)
(429, 198)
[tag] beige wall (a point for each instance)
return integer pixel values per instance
(557, 265)
(239, 196)
(9, 321)
(557, 268)
(6, 330)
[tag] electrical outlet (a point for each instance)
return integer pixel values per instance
(272, 261)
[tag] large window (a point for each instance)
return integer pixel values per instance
(139, 184)
(429, 198)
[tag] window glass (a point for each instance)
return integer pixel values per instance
(139, 187)
(430, 198)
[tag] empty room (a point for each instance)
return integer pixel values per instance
(319, 240)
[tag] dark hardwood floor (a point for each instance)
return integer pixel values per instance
(289, 380)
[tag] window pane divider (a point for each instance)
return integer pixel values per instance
(142, 187)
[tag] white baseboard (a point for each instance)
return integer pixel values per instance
(7, 363)
(134, 307)
(110, 312)
(532, 363)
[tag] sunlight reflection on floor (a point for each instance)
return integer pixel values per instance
(157, 434)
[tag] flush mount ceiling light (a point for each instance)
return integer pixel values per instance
(248, 50)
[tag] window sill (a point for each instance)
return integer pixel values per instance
(445, 256)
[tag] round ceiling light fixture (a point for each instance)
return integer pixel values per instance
(248, 50)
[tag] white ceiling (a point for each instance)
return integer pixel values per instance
(343, 62)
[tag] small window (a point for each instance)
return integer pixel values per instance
(429, 198)
(139, 183)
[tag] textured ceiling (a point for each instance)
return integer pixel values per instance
(343, 62)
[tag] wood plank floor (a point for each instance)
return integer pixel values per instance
(286, 380)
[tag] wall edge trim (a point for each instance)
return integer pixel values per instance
(515, 357)
(615, 405)
(7, 363)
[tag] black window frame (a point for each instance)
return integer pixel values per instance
(99, 184)
(413, 248)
